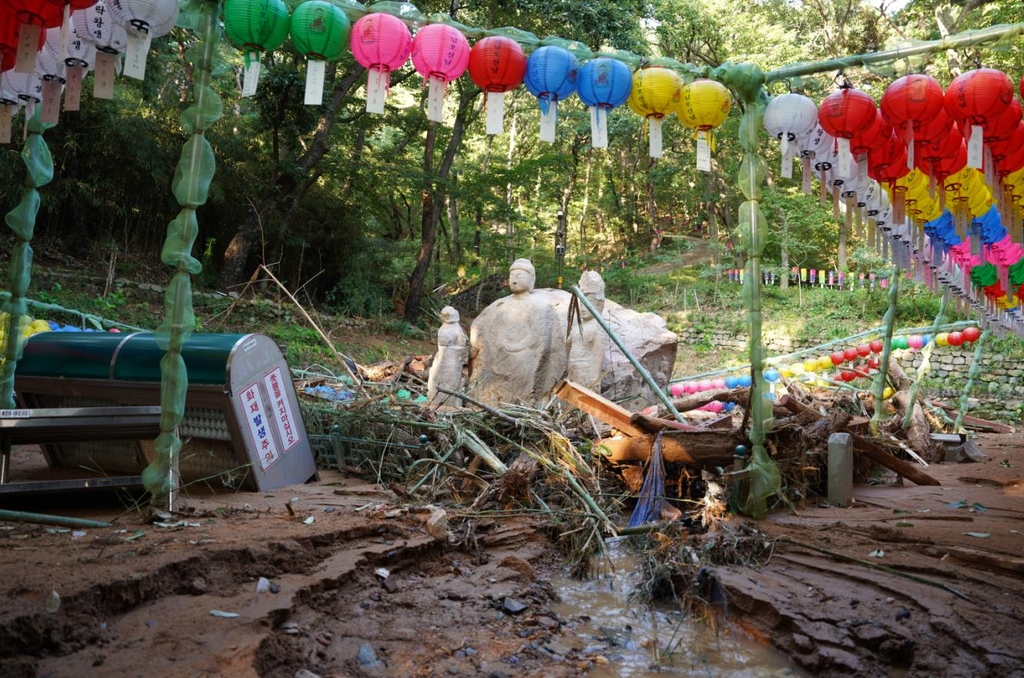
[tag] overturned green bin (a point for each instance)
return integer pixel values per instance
(242, 426)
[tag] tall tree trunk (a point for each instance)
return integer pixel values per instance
(289, 183)
(586, 202)
(844, 237)
(433, 199)
(476, 234)
(453, 219)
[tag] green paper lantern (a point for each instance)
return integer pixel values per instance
(256, 25)
(320, 30)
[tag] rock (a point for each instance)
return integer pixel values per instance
(648, 338)
(367, 656)
(513, 606)
(303, 673)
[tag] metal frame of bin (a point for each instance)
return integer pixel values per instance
(241, 428)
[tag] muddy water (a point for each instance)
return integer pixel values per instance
(636, 640)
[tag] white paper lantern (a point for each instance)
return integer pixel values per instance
(789, 117)
(143, 20)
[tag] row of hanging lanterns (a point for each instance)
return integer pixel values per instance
(440, 53)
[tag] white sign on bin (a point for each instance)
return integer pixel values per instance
(281, 410)
(256, 418)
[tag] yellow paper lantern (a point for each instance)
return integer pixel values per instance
(655, 94)
(942, 339)
(704, 104)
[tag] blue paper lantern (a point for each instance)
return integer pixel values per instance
(552, 74)
(744, 381)
(603, 84)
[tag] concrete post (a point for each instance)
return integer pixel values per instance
(840, 469)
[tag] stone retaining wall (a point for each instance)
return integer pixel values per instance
(999, 388)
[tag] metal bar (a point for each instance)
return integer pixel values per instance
(70, 484)
(45, 519)
(658, 391)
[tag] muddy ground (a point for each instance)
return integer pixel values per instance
(364, 589)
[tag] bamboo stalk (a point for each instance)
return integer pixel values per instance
(46, 519)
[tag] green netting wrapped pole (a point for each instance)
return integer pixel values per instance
(878, 385)
(747, 82)
(972, 374)
(22, 220)
(926, 355)
(191, 185)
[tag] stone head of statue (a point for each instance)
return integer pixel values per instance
(449, 315)
(521, 276)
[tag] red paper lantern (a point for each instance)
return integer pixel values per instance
(849, 375)
(850, 354)
(911, 102)
(846, 113)
(1005, 147)
(955, 338)
(876, 346)
(9, 26)
(37, 12)
(863, 350)
(978, 96)
(937, 126)
(887, 152)
(971, 334)
(875, 135)
(1004, 125)
(497, 64)
(837, 358)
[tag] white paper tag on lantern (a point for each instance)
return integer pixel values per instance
(704, 153)
(787, 163)
(252, 75)
(435, 99)
(6, 111)
(845, 157)
(315, 71)
(654, 132)
(73, 88)
(103, 76)
(376, 90)
(28, 46)
(549, 122)
(136, 53)
(494, 103)
(974, 146)
(51, 101)
(598, 127)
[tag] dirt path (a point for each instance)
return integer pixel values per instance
(358, 593)
(364, 590)
(843, 618)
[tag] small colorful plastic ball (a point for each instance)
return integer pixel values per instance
(971, 334)
(771, 375)
(743, 381)
(915, 341)
(955, 338)
(863, 350)
(850, 354)
(838, 358)
(676, 390)
(942, 339)
(876, 346)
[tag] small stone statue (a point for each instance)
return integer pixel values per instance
(587, 342)
(452, 353)
(511, 342)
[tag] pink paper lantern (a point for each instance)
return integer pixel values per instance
(703, 385)
(689, 387)
(381, 43)
(440, 53)
(718, 383)
(676, 390)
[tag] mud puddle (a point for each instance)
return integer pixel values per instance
(639, 642)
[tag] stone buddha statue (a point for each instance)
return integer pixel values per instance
(452, 355)
(587, 342)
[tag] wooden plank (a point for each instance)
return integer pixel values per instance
(650, 424)
(997, 560)
(598, 406)
(703, 448)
